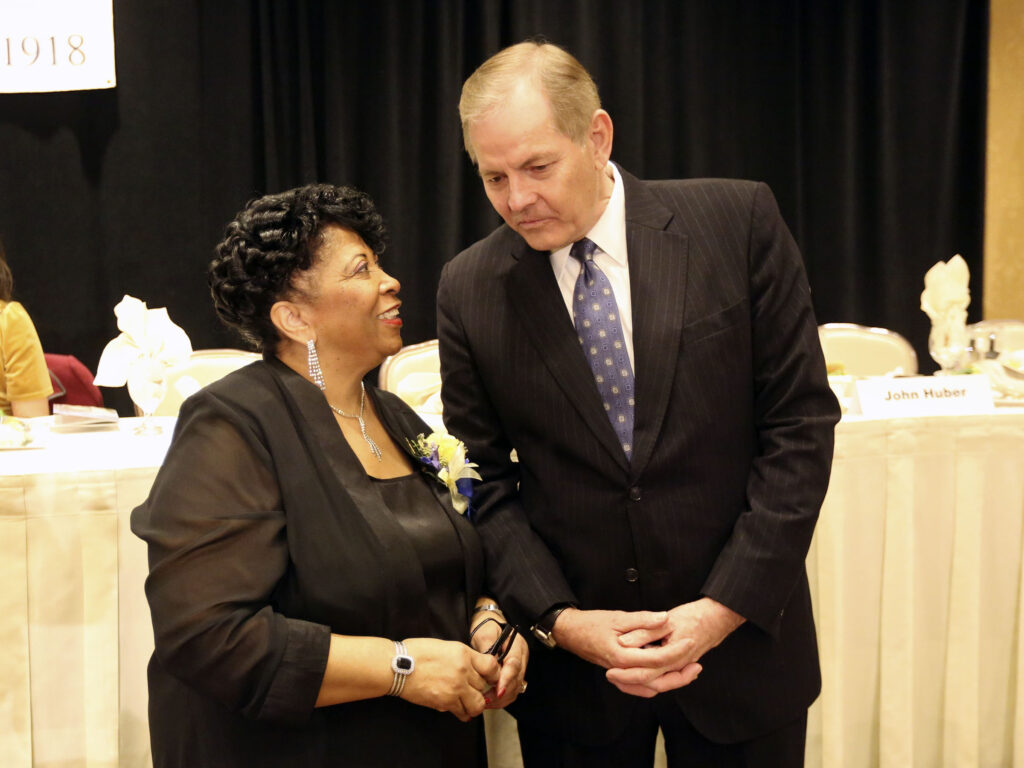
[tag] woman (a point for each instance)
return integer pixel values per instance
(294, 535)
(24, 379)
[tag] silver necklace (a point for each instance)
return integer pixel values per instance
(374, 448)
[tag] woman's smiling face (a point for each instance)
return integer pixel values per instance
(350, 302)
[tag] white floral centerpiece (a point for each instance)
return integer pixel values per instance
(149, 344)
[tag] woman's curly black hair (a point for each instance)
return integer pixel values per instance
(273, 238)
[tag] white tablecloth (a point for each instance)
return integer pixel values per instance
(75, 634)
(917, 575)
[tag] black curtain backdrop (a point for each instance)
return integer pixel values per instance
(867, 118)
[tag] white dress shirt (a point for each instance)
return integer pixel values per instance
(609, 234)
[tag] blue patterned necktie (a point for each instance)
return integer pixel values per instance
(596, 316)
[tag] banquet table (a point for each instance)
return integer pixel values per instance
(917, 580)
(916, 570)
(75, 634)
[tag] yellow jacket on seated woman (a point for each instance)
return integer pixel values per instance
(22, 365)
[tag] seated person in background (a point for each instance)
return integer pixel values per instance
(24, 380)
(295, 539)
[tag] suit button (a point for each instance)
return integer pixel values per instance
(632, 575)
(634, 493)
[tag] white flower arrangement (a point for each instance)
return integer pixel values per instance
(149, 344)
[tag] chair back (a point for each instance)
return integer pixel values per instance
(203, 367)
(414, 374)
(72, 381)
(865, 351)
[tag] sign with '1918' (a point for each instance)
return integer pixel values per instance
(56, 45)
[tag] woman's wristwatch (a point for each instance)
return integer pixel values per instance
(543, 629)
(402, 665)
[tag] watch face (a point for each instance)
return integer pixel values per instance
(544, 636)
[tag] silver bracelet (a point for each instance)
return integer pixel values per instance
(487, 607)
(402, 665)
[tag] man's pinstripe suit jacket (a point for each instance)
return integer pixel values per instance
(732, 450)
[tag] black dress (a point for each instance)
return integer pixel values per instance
(265, 535)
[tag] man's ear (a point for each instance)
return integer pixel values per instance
(288, 318)
(600, 135)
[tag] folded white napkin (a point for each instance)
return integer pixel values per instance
(945, 299)
(946, 295)
(148, 340)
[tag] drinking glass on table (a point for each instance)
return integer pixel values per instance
(147, 385)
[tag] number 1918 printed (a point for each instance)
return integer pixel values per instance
(47, 51)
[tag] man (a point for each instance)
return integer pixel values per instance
(649, 351)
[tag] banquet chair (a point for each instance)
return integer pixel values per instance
(71, 381)
(864, 351)
(414, 374)
(203, 367)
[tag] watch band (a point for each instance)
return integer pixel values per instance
(543, 628)
(402, 666)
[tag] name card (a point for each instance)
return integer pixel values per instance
(56, 45)
(924, 395)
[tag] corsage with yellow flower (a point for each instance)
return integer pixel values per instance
(446, 455)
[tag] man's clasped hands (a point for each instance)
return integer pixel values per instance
(647, 652)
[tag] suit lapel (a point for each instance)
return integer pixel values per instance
(658, 257)
(537, 300)
(657, 278)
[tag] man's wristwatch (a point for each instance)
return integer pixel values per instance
(543, 628)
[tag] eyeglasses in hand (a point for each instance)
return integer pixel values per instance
(500, 647)
(504, 643)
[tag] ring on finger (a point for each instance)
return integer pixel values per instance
(522, 688)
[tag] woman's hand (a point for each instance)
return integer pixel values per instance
(512, 680)
(450, 677)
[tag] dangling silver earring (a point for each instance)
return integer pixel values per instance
(314, 365)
